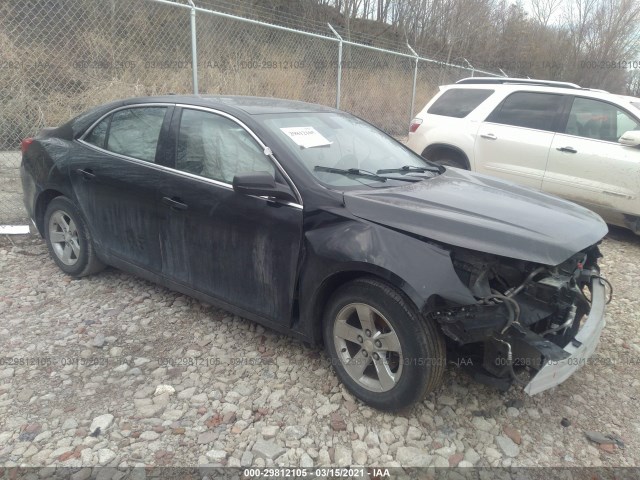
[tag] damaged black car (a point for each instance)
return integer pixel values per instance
(313, 222)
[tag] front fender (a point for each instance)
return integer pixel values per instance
(417, 268)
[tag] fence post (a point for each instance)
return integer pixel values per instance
(473, 69)
(194, 48)
(339, 79)
(415, 79)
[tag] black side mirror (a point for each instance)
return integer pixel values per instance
(262, 184)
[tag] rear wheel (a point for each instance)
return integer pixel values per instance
(68, 239)
(384, 352)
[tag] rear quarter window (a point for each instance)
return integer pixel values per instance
(459, 102)
(98, 135)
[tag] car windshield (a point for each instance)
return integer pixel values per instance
(342, 151)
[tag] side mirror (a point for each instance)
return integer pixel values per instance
(630, 138)
(262, 184)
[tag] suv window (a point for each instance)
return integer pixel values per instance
(591, 118)
(134, 132)
(459, 102)
(215, 147)
(528, 109)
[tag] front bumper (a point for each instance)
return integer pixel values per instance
(581, 348)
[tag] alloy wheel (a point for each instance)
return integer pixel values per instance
(63, 235)
(368, 347)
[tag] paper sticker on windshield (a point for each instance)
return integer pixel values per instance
(306, 137)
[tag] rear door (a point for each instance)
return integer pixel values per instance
(115, 173)
(241, 249)
(588, 165)
(513, 142)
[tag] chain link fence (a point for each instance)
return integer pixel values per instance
(236, 57)
(60, 57)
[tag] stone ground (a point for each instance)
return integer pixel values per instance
(12, 210)
(113, 370)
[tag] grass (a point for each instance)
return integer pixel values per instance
(66, 76)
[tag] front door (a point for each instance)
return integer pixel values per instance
(243, 250)
(587, 164)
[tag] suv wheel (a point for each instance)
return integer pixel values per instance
(447, 158)
(447, 162)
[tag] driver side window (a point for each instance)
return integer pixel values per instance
(215, 147)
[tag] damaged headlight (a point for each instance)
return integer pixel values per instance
(525, 313)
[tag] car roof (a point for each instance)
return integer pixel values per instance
(249, 105)
(234, 105)
(513, 85)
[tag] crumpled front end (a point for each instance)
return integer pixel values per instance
(579, 349)
(532, 324)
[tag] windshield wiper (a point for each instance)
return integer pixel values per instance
(409, 168)
(350, 171)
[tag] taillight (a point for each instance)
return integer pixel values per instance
(415, 123)
(24, 145)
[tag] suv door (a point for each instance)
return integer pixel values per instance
(240, 249)
(513, 142)
(115, 180)
(588, 165)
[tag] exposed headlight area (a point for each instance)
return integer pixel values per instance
(525, 315)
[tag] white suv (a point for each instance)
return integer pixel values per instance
(576, 143)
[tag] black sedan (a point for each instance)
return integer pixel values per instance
(313, 222)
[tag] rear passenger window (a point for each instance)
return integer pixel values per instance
(529, 110)
(459, 102)
(134, 132)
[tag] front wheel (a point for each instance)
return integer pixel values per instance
(448, 159)
(449, 162)
(384, 352)
(69, 240)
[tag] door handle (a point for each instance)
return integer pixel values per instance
(87, 174)
(174, 203)
(489, 136)
(567, 149)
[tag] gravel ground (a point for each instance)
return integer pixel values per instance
(12, 211)
(171, 381)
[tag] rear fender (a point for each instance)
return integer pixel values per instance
(44, 176)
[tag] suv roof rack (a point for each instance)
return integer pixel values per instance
(518, 81)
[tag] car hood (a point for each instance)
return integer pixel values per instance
(482, 213)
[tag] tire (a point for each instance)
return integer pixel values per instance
(411, 373)
(448, 159)
(69, 240)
